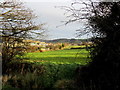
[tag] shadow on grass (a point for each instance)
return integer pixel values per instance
(81, 60)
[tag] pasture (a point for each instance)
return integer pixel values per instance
(50, 69)
(70, 56)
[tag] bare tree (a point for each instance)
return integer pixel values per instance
(80, 12)
(103, 20)
(16, 25)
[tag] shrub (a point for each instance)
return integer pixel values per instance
(28, 81)
(39, 75)
(66, 84)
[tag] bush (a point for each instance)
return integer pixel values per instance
(23, 68)
(40, 75)
(55, 72)
(28, 81)
(66, 84)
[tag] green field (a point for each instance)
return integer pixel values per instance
(78, 56)
(50, 69)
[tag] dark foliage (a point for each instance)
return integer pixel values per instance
(39, 76)
(103, 72)
(23, 68)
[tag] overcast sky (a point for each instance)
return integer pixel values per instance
(46, 0)
(47, 13)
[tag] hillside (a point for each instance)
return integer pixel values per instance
(65, 40)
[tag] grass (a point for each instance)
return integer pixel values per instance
(52, 69)
(78, 56)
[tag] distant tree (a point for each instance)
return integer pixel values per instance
(16, 25)
(103, 20)
(63, 45)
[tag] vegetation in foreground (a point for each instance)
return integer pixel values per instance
(51, 69)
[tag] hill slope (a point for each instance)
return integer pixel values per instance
(65, 40)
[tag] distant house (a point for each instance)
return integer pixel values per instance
(35, 43)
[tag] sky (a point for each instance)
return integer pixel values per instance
(53, 17)
(46, 0)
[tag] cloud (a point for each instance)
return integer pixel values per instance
(47, 13)
(45, 0)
